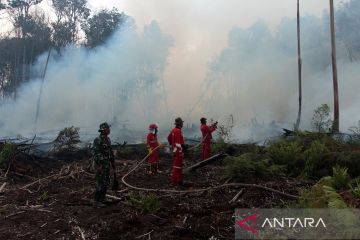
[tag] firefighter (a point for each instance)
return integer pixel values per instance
(103, 157)
(176, 141)
(153, 145)
(206, 137)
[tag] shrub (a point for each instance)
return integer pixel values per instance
(219, 146)
(146, 203)
(8, 152)
(321, 195)
(250, 165)
(313, 156)
(355, 187)
(351, 160)
(340, 177)
(287, 153)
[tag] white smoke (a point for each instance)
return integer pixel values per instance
(119, 81)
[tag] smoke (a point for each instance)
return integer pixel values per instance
(255, 76)
(117, 82)
(207, 60)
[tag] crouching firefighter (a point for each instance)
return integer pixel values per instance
(176, 141)
(103, 157)
(153, 146)
(206, 137)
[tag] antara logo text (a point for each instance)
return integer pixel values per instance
(293, 222)
(249, 223)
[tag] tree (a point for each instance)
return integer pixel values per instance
(299, 66)
(102, 25)
(18, 54)
(321, 120)
(69, 13)
(20, 12)
(335, 127)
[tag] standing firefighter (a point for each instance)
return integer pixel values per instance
(206, 138)
(176, 140)
(103, 156)
(153, 145)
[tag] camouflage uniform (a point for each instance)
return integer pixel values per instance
(103, 156)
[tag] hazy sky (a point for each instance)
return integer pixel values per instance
(200, 28)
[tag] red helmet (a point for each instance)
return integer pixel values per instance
(153, 126)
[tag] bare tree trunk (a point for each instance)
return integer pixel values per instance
(335, 127)
(41, 88)
(299, 66)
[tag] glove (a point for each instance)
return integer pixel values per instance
(150, 151)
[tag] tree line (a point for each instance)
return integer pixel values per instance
(34, 32)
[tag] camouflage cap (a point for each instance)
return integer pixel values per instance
(104, 126)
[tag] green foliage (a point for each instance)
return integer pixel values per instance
(340, 177)
(321, 120)
(313, 156)
(67, 139)
(102, 25)
(288, 153)
(146, 203)
(283, 151)
(251, 165)
(321, 195)
(218, 146)
(45, 196)
(355, 187)
(351, 161)
(8, 152)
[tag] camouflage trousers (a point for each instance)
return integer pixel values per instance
(102, 180)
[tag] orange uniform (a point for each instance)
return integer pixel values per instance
(176, 140)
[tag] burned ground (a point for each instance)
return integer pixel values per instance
(52, 200)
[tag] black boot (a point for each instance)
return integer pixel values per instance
(97, 195)
(103, 194)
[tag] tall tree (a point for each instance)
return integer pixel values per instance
(20, 12)
(102, 25)
(69, 13)
(12, 54)
(299, 66)
(334, 69)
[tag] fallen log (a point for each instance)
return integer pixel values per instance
(204, 162)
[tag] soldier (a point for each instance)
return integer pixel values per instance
(206, 138)
(103, 156)
(176, 140)
(153, 145)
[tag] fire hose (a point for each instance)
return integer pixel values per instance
(246, 185)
